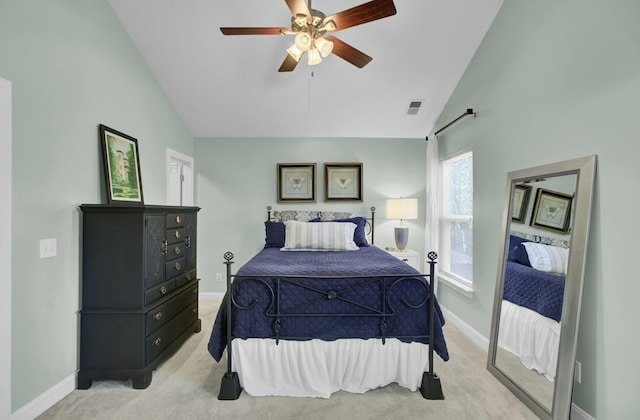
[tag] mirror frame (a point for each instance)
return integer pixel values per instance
(585, 169)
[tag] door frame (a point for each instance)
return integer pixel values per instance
(172, 155)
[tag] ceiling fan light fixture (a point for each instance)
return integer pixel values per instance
(328, 25)
(324, 46)
(295, 52)
(300, 20)
(314, 57)
(303, 41)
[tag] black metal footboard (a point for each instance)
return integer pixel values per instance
(289, 319)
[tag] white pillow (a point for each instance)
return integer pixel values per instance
(326, 236)
(549, 258)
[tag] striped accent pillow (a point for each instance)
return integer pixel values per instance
(547, 257)
(326, 236)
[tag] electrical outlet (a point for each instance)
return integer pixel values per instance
(219, 277)
(578, 372)
(48, 248)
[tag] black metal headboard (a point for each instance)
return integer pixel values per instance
(370, 221)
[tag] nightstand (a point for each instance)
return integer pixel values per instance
(409, 256)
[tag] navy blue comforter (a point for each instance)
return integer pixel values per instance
(536, 290)
(311, 303)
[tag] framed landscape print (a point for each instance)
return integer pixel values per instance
(552, 210)
(521, 195)
(343, 181)
(121, 166)
(296, 182)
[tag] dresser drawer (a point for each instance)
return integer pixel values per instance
(175, 250)
(163, 337)
(175, 235)
(159, 291)
(165, 312)
(174, 220)
(186, 278)
(174, 268)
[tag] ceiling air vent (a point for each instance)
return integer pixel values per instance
(414, 106)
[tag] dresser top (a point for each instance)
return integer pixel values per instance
(135, 208)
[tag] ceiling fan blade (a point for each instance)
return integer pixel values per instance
(366, 12)
(348, 53)
(298, 7)
(253, 31)
(289, 64)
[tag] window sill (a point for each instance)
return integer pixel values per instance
(457, 285)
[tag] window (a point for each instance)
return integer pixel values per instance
(456, 227)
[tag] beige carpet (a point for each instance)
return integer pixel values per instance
(186, 387)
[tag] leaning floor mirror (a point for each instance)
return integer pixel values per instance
(534, 327)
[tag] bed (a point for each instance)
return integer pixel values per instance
(307, 321)
(531, 310)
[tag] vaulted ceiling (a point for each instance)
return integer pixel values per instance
(229, 86)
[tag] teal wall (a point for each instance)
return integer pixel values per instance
(236, 181)
(555, 80)
(73, 67)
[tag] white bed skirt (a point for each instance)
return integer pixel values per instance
(531, 336)
(317, 368)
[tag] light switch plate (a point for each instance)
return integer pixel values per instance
(48, 248)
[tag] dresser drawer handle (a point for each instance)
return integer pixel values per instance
(158, 316)
(177, 266)
(188, 276)
(177, 234)
(165, 246)
(187, 241)
(177, 250)
(156, 342)
(163, 290)
(178, 219)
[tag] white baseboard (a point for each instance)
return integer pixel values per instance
(211, 296)
(466, 329)
(46, 400)
(576, 412)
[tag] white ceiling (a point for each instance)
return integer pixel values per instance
(229, 86)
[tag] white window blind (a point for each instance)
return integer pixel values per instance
(457, 218)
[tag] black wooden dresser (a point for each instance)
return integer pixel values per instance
(139, 289)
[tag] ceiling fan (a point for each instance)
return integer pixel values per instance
(309, 27)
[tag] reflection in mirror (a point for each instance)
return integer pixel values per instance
(539, 284)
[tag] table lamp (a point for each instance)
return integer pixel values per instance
(403, 209)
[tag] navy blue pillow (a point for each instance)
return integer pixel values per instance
(517, 252)
(275, 234)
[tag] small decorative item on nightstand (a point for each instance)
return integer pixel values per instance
(409, 256)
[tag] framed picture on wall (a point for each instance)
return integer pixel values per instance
(296, 182)
(521, 194)
(552, 210)
(121, 166)
(343, 181)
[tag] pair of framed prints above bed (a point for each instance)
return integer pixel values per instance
(297, 182)
(307, 323)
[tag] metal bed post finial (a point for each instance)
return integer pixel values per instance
(431, 388)
(230, 388)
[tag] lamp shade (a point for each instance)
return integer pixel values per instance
(402, 208)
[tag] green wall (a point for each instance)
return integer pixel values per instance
(72, 67)
(236, 181)
(555, 80)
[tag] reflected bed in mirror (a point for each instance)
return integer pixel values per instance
(539, 283)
